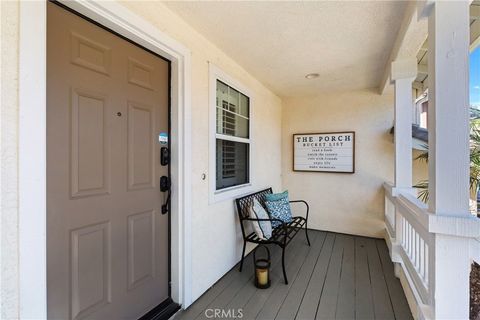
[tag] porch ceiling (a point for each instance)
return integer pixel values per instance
(346, 43)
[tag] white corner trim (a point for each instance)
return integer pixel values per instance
(32, 144)
(214, 196)
(32, 161)
(410, 37)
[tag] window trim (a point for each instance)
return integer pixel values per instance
(215, 73)
(417, 108)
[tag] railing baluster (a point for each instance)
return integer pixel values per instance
(421, 266)
(417, 250)
(427, 265)
(412, 240)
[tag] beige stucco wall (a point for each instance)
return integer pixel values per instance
(9, 159)
(348, 203)
(216, 239)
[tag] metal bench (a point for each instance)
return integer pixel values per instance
(281, 235)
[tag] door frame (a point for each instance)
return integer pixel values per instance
(32, 144)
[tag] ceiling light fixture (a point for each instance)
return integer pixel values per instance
(312, 76)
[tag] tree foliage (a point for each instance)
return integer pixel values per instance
(422, 186)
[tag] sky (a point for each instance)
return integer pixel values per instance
(475, 77)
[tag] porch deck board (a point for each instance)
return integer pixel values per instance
(399, 303)
(363, 288)
(280, 290)
(292, 302)
(338, 277)
(346, 292)
(258, 299)
(381, 298)
(309, 305)
(328, 300)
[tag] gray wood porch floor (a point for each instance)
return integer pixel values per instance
(338, 277)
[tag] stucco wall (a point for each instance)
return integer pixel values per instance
(348, 203)
(216, 240)
(216, 237)
(9, 160)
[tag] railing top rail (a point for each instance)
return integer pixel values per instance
(388, 186)
(417, 213)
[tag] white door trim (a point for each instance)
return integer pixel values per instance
(32, 145)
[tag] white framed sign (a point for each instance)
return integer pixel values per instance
(324, 152)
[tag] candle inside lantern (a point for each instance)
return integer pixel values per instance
(262, 266)
(262, 276)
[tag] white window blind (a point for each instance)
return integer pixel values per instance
(232, 137)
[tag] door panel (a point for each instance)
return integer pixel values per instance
(107, 102)
(89, 144)
(141, 126)
(141, 248)
(91, 269)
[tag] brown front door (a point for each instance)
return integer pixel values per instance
(107, 104)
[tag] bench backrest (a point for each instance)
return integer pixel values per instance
(245, 202)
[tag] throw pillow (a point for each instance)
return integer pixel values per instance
(279, 209)
(263, 229)
(276, 196)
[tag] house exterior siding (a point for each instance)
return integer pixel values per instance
(9, 33)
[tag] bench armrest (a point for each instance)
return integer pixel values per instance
(306, 204)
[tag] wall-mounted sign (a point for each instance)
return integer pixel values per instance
(324, 152)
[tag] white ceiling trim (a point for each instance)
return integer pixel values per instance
(411, 36)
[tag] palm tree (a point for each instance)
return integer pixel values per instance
(422, 186)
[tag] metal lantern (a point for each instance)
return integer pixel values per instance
(262, 269)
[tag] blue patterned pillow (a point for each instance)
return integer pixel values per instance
(279, 209)
(276, 196)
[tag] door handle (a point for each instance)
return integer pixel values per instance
(165, 186)
(164, 156)
(164, 183)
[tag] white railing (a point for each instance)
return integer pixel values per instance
(389, 212)
(416, 244)
(410, 242)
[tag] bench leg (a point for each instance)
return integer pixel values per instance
(243, 255)
(306, 233)
(283, 265)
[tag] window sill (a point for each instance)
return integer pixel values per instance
(230, 193)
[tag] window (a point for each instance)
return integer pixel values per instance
(230, 147)
(421, 111)
(232, 137)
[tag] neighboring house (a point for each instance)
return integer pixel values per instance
(419, 137)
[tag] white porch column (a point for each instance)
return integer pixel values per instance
(448, 114)
(403, 73)
(448, 127)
